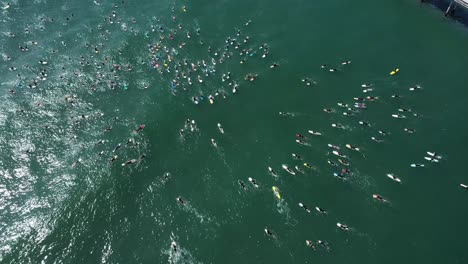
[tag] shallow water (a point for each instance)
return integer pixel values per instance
(57, 210)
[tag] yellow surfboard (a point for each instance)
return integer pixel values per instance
(276, 192)
(394, 71)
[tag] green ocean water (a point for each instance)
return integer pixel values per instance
(55, 210)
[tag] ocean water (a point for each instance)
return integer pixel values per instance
(79, 77)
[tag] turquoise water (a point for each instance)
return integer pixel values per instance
(57, 210)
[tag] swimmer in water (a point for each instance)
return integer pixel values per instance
(409, 130)
(328, 110)
(404, 110)
(128, 162)
(180, 200)
(307, 165)
(346, 63)
(295, 156)
(253, 182)
(304, 207)
(241, 183)
(140, 128)
(76, 162)
(366, 85)
(332, 163)
(342, 226)
(377, 140)
(174, 246)
(379, 198)
(274, 65)
(272, 172)
(417, 165)
(396, 96)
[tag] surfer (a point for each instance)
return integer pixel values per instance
(213, 142)
(295, 156)
(253, 182)
(140, 128)
(300, 136)
(301, 142)
(220, 128)
(114, 158)
(310, 244)
(337, 126)
(320, 210)
(378, 198)
(298, 169)
(304, 207)
(352, 147)
(180, 200)
(272, 172)
(342, 226)
(286, 168)
(117, 147)
(128, 162)
(343, 162)
(241, 183)
(364, 123)
(315, 133)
